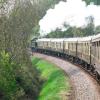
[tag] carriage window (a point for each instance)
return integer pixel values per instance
(98, 43)
(96, 50)
(99, 50)
(93, 44)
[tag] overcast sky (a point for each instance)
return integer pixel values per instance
(72, 12)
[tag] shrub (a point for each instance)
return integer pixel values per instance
(9, 88)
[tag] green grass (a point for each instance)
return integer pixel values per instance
(56, 82)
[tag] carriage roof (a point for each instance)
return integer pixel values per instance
(96, 38)
(79, 39)
(64, 39)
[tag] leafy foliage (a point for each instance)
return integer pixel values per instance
(97, 2)
(8, 85)
(97, 30)
(18, 79)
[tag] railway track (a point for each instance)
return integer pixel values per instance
(84, 86)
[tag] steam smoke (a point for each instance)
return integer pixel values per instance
(71, 12)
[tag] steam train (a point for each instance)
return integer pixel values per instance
(84, 51)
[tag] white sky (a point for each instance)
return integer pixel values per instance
(72, 12)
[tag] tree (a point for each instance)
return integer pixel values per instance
(90, 28)
(16, 26)
(97, 29)
(97, 2)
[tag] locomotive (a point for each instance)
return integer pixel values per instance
(84, 51)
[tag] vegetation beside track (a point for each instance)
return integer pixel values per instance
(56, 84)
(18, 22)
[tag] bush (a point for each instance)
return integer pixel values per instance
(9, 89)
(17, 81)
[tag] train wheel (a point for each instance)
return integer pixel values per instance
(97, 76)
(89, 68)
(94, 73)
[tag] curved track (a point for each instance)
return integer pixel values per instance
(84, 86)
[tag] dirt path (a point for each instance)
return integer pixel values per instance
(84, 87)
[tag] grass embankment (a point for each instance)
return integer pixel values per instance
(56, 84)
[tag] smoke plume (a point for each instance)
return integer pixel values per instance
(71, 12)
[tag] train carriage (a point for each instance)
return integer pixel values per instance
(70, 46)
(84, 49)
(95, 52)
(57, 45)
(43, 45)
